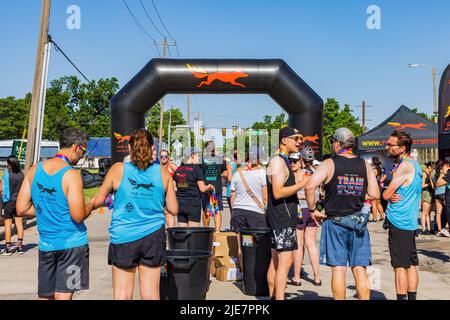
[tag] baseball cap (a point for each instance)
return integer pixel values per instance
(308, 154)
(295, 156)
(189, 151)
(345, 136)
(289, 132)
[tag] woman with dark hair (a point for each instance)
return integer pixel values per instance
(439, 195)
(377, 207)
(143, 190)
(9, 190)
(427, 199)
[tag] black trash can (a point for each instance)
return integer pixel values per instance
(187, 276)
(256, 256)
(198, 239)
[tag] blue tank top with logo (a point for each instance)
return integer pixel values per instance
(233, 170)
(405, 213)
(57, 230)
(138, 204)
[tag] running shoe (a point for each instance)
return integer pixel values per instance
(445, 233)
(19, 250)
(6, 252)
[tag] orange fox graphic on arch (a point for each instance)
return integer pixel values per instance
(120, 138)
(417, 126)
(312, 139)
(227, 77)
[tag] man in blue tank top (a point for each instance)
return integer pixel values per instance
(53, 191)
(403, 194)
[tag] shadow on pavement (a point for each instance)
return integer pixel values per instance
(435, 255)
(374, 294)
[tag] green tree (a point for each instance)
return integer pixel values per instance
(430, 117)
(153, 120)
(14, 117)
(335, 117)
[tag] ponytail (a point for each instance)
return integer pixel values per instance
(141, 143)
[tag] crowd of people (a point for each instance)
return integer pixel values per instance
(293, 196)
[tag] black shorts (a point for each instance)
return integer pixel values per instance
(149, 251)
(63, 271)
(189, 212)
(402, 248)
(9, 211)
(440, 196)
(284, 239)
(245, 219)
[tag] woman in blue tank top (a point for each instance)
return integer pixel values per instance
(138, 240)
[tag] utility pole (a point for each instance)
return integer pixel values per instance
(188, 109)
(37, 85)
(168, 135)
(165, 45)
(363, 107)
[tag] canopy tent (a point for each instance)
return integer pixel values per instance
(423, 131)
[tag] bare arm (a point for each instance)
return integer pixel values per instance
(373, 192)
(277, 171)
(107, 186)
(400, 177)
(73, 183)
(315, 181)
(203, 187)
(24, 203)
(171, 198)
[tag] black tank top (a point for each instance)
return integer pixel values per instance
(282, 213)
(346, 191)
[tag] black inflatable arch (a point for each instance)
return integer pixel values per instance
(164, 76)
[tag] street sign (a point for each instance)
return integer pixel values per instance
(16, 150)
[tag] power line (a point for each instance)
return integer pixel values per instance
(160, 19)
(57, 48)
(137, 21)
(150, 19)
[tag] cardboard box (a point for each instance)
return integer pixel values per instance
(213, 269)
(227, 269)
(225, 244)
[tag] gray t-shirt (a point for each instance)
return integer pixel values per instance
(256, 180)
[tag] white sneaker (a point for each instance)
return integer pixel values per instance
(445, 233)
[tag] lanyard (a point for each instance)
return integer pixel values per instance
(284, 156)
(63, 157)
(346, 151)
(405, 156)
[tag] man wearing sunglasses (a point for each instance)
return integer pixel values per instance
(281, 215)
(403, 194)
(349, 181)
(53, 191)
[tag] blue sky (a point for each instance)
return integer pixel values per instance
(326, 42)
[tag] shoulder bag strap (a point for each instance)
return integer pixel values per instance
(250, 192)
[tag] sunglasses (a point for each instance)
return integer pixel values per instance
(388, 145)
(294, 161)
(164, 156)
(296, 138)
(82, 149)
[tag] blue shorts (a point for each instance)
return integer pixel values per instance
(340, 246)
(205, 201)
